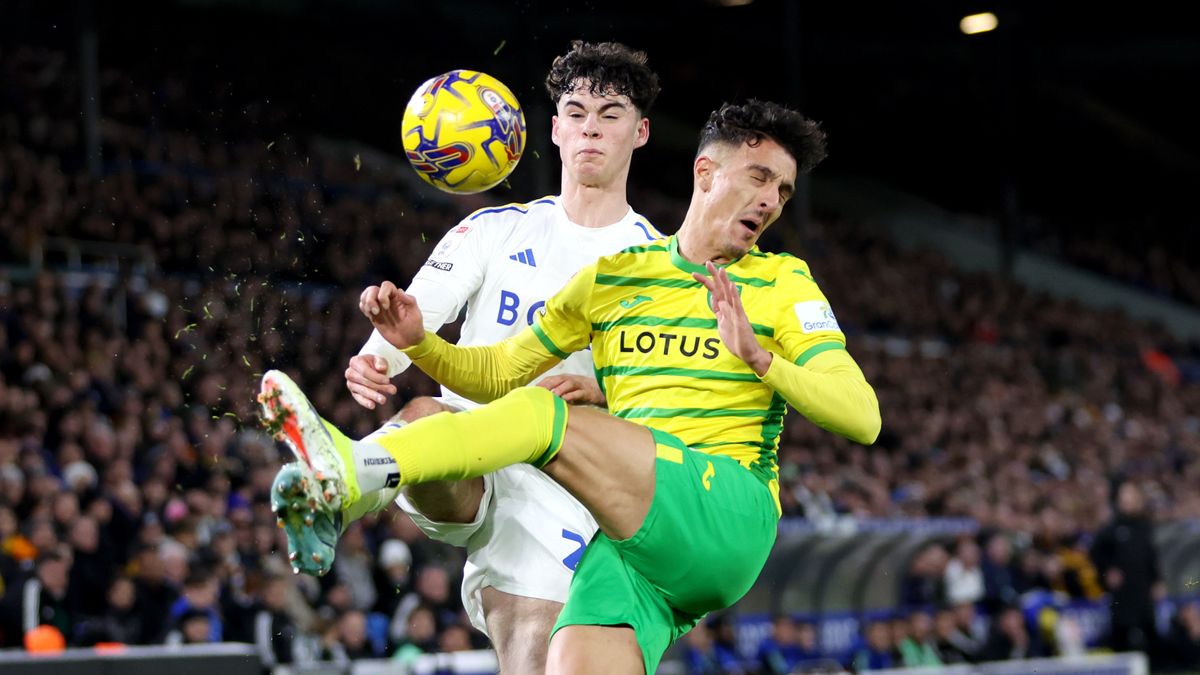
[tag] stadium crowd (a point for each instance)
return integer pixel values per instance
(133, 477)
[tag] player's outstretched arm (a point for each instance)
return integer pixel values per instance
(830, 390)
(442, 287)
(479, 373)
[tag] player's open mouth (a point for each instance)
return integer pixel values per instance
(750, 225)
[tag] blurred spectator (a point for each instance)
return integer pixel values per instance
(1066, 567)
(92, 567)
(704, 656)
(1027, 573)
(195, 627)
(432, 589)
(788, 645)
(274, 630)
(200, 595)
(898, 633)
(154, 595)
(393, 576)
(963, 576)
(352, 635)
(120, 621)
(1183, 637)
(1052, 632)
(925, 581)
(40, 600)
(967, 620)
(877, 653)
(354, 567)
(420, 635)
(454, 639)
(337, 599)
(724, 636)
(999, 588)
(1124, 553)
(953, 645)
(1082, 579)
(1008, 638)
(919, 647)
(327, 647)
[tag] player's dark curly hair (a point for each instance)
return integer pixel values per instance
(754, 120)
(609, 67)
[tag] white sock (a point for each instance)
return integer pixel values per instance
(376, 467)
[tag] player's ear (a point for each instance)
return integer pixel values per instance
(704, 168)
(554, 129)
(641, 135)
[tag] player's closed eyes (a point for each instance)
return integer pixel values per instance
(579, 116)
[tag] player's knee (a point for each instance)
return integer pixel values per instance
(422, 406)
(523, 637)
(447, 501)
(522, 658)
(523, 652)
(583, 650)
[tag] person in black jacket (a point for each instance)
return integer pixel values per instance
(274, 630)
(40, 599)
(92, 569)
(1127, 561)
(120, 622)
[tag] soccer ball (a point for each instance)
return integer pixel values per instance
(464, 131)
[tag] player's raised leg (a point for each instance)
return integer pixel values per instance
(606, 463)
(704, 550)
(441, 501)
(682, 532)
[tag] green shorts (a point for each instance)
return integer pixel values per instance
(706, 538)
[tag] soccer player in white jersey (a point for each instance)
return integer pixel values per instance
(523, 532)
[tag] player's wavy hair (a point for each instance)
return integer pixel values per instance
(754, 120)
(609, 68)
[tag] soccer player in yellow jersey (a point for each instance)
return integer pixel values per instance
(700, 340)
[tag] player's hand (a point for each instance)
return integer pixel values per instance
(394, 314)
(576, 389)
(367, 380)
(732, 324)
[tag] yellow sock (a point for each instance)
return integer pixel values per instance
(525, 426)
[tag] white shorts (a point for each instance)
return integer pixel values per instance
(525, 540)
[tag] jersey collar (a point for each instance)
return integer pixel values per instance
(688, 266)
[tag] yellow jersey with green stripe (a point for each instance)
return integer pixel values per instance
(660, 360)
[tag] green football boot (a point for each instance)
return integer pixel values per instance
(321, 485)
(312, 534)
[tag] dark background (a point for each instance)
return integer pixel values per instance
(1082, 114)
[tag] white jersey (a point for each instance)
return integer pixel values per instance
(503, 263)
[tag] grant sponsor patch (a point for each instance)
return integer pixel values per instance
(815, 315)
(437, 265)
